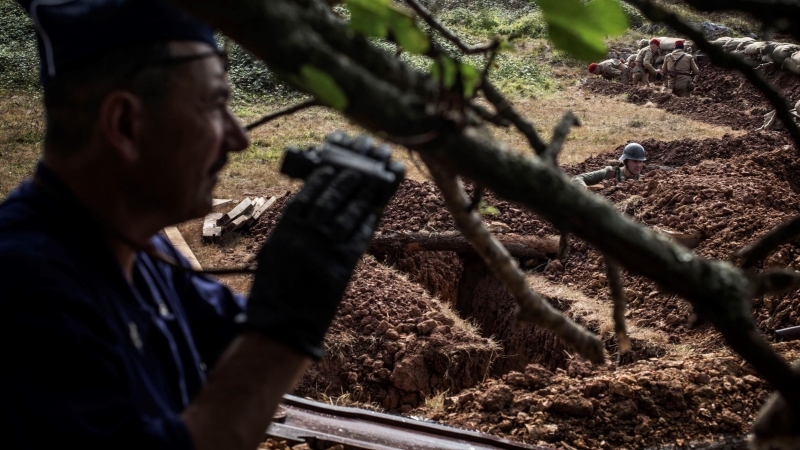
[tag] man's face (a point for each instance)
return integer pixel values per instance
(187, 140)
(654, 48)
(634, 167)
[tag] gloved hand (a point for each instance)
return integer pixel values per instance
(308, 259)
(659, 76)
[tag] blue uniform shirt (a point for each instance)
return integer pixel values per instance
(88, 358)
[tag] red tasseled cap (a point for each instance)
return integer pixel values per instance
(679, 43)
(592, 66)
(655, 41)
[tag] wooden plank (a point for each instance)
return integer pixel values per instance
(245, 206)
(220, 201)
(260, 210)
(236, 223)
(212, 232)
(175, 236)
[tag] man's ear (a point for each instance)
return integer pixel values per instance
(121, 121)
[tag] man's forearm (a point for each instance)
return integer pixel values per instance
(243, 391)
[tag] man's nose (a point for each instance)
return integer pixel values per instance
(236, 138)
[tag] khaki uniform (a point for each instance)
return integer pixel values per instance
(680, 69)
(644, 67)
(613, 69)
(606, 173)
(771, 121)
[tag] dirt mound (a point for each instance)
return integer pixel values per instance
(392, 344)
(650, 403)
(418, 206)
(746, 187)
(721, 97)
(769, 150)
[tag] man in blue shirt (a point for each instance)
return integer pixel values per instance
(108, 339)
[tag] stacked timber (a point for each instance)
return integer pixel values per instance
(241, 217)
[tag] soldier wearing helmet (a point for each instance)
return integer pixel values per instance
(632, 164)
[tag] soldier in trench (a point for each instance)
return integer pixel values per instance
(681, 71)
(772, 123)
(633, 158)
(112, 341)
(645, 59)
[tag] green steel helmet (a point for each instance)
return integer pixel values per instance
(633, 151)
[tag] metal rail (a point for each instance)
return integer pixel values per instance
(321, 425)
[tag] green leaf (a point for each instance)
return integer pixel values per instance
(445, 70)
(609, 16)
(375, 18)
(470, 78)
(581, 29)
(407, 34)
(322, 86)
(369, 17)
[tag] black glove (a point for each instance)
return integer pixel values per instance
(308, 259)
(659, 76)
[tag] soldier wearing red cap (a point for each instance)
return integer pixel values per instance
(611, 69)
(681, 71)
(644, 63)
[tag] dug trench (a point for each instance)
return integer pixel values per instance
(721, 97)
(432, 334)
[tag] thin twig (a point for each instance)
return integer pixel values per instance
(563, 247)
(488, 115)
(282, 112)
(505, 110)
(477, 197)
(618, 295)
(776, 13)
(559, 137)
(776, 281)
(489, 62)
(428, 18)
(533, 308)
(758, 250)
(725, 60)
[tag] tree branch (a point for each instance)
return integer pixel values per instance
(276, 32)
(776, 281)
(533, 308)
(779, 14)
(618, 295)
(559, 137)
(725, 60)
(506, 111)
(758, 250)
(282, 112)
(467, 49)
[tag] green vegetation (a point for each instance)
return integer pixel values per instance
(19, 63)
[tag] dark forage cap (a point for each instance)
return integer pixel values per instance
(71, 31)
